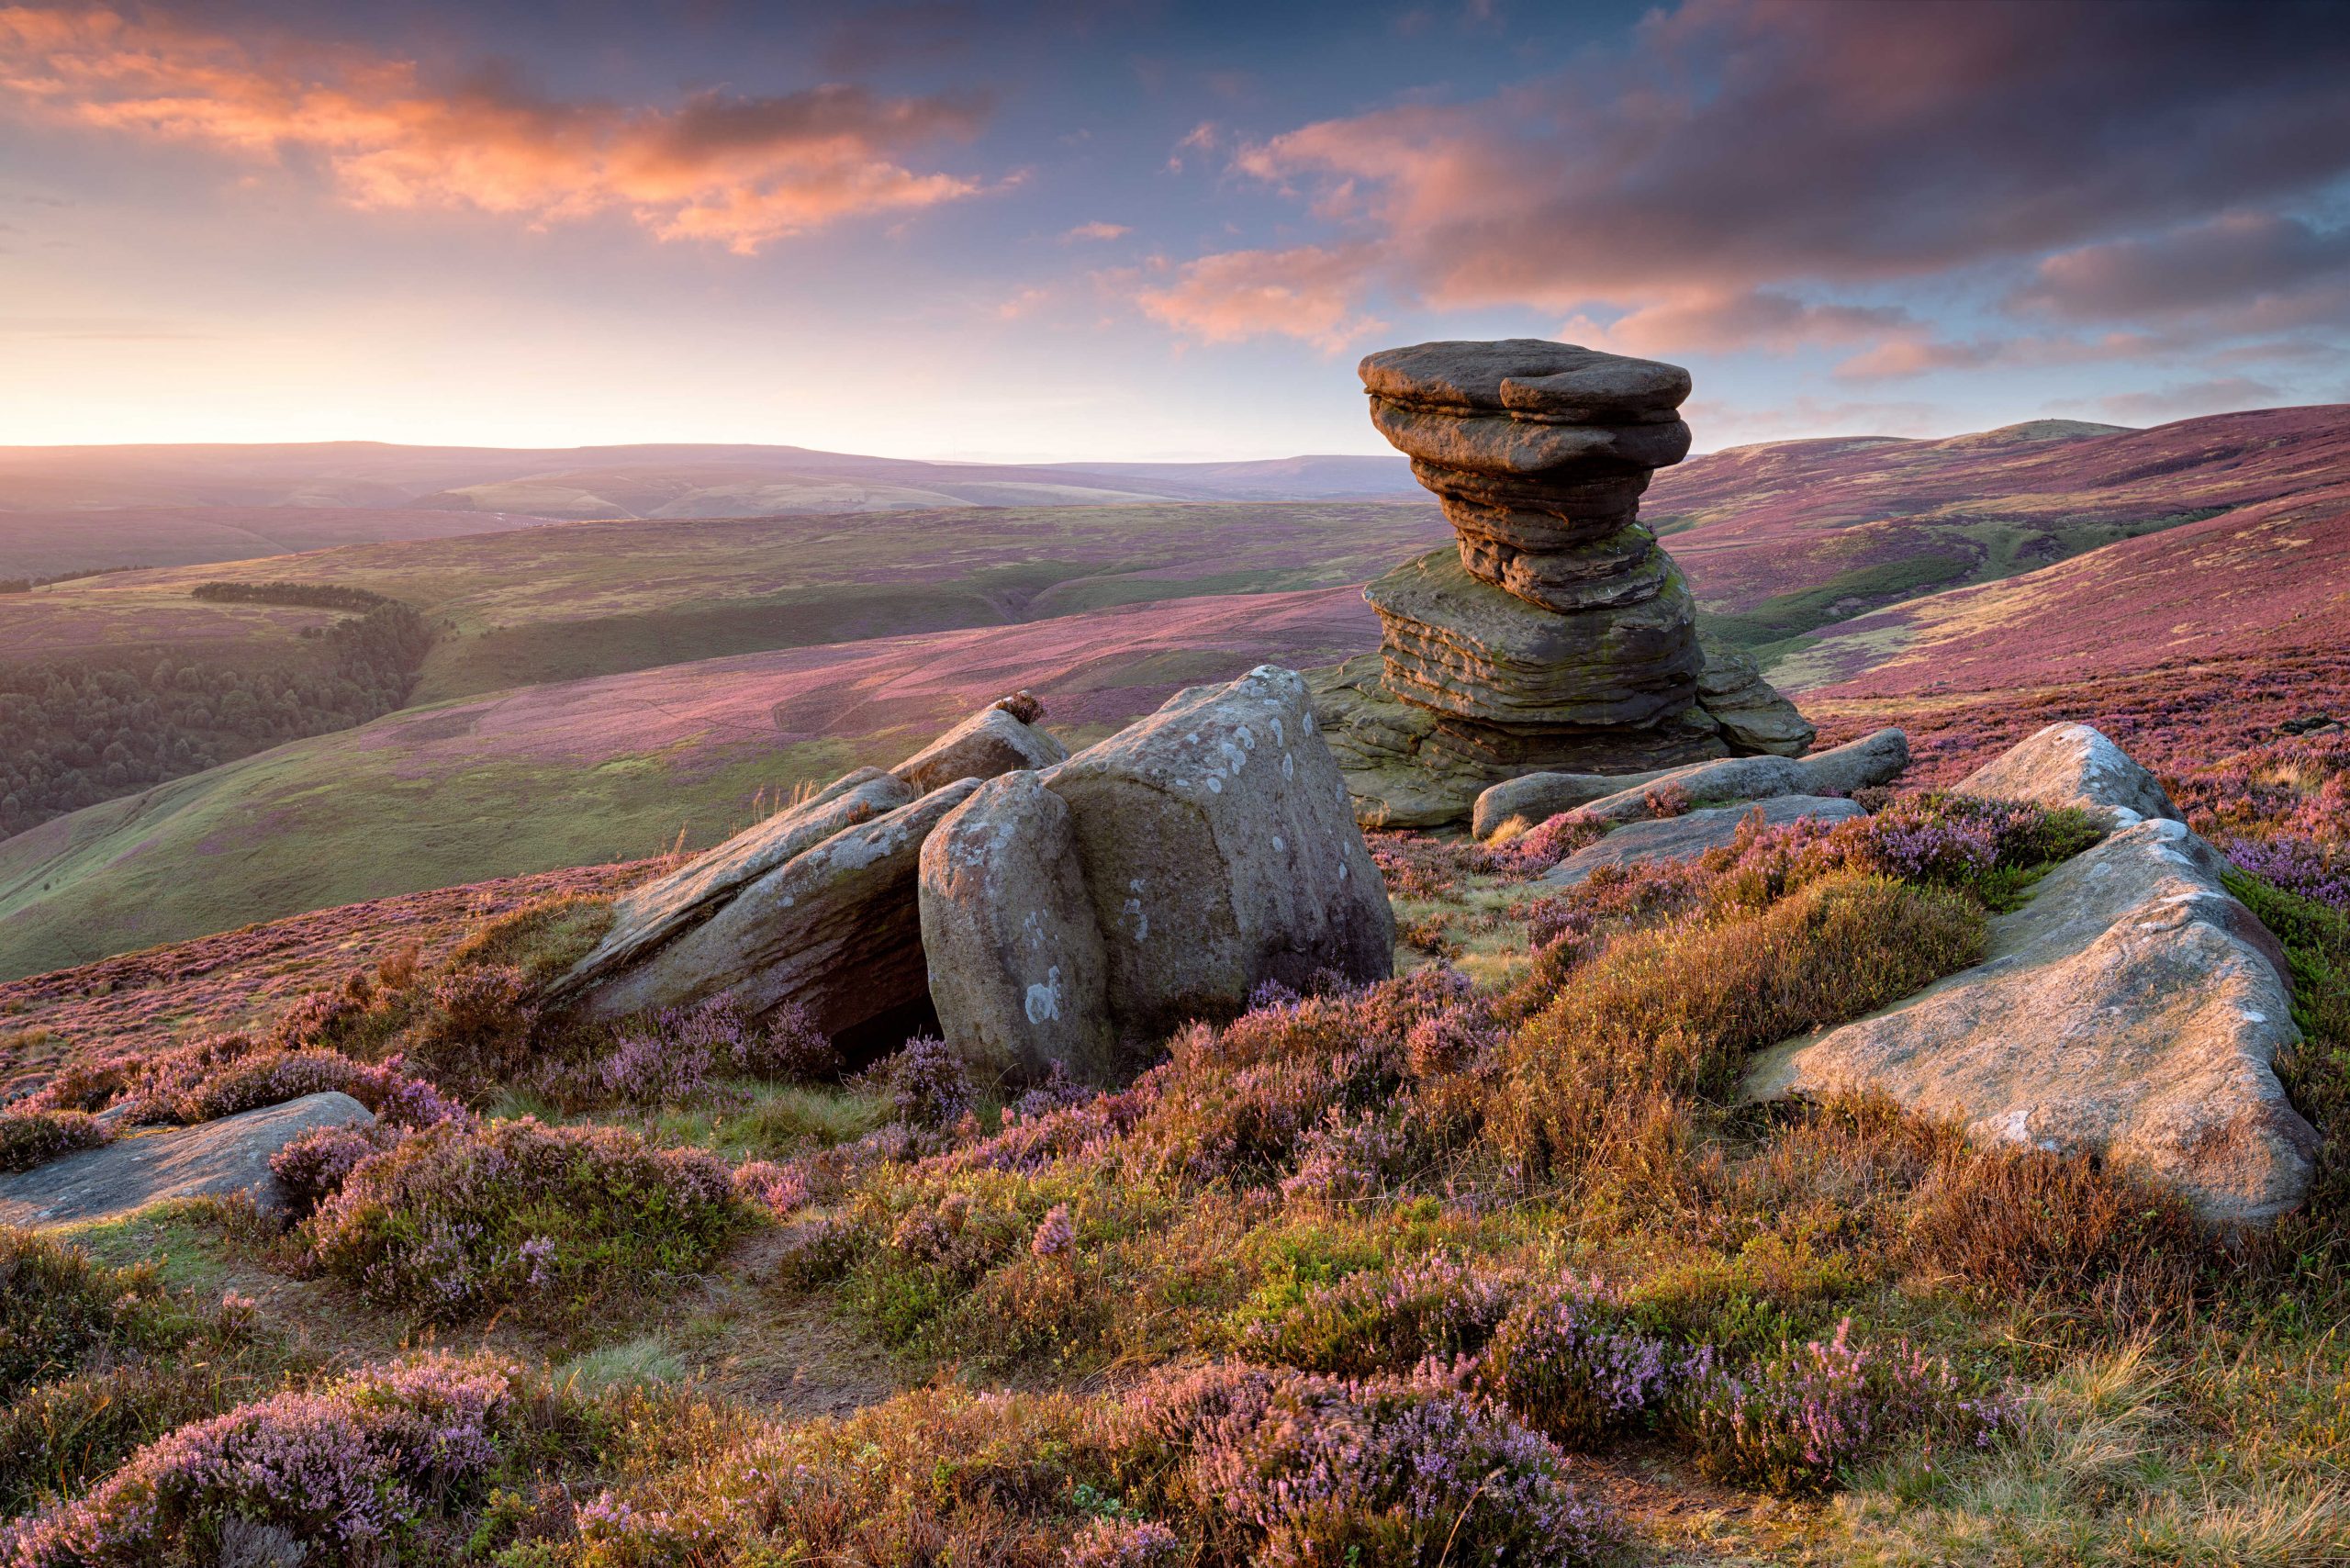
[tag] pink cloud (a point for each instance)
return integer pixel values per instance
(738, 172)
(2260, 271)
(1097, 230)
(1748, 155)
(1307, 293)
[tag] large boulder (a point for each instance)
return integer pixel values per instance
(1693, 833)
(997, 739)
(212, 1159)
(1873, 759)
(835, 928)
(2132, 1010)
(2073, 765)
(1219, 849)
(654, 912)
(1751, 710)
(1017, 969)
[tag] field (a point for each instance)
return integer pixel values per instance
(611, 768)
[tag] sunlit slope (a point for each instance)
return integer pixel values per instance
(584, 771)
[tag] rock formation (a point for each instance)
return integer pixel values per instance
(2131, 1009)
(1690, 833)
(1607, 800)
(1167, 872)
(1556, 635)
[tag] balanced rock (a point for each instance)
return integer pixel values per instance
(1218, 849)
(2132, 1010)
(228, 1157)
(835, 928)
(2076, 766)
(1017, 969)
(1556, 633)
(1693, 833)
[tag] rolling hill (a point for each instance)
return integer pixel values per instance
(577, 772)
(73, 508)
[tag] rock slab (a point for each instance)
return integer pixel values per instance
(211, 1160)
(993, 740)
(2076, 766)
(2133, 1010)
(1692, 834)
(1872, 760)
(1017, 969)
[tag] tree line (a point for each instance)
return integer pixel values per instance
(75, 731)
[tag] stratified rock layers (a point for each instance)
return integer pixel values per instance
(1557, 634)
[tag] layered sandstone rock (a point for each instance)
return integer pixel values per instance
(1556, 633)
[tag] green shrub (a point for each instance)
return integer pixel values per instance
(60, 1306)
(30, 1138)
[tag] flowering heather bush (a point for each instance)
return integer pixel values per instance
(1543, 845)
(337, 1474)
(1121, 1543)
(475, 1031)
(1383, 1320)
(1343, 1159)
(1055, 1233)
(464, 1217)
(779, 1189)
(676, 1053)
(930, 1084)
(1666, 798)
(1058, 1092)
(2300, 866)
(1791, 1420)
(30, 1137)
(223, 1074)
(313, 1166)
(1285, 1469)
(1566, 1363)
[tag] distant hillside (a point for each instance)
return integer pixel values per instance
(577, 772)
(104, 506)
(1782, 540)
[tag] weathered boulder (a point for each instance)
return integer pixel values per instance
(1217, 843)
(1873, 759)
(1692, 834)
(1017, 969)
(1531, 798)
(2133, 1010)
(211, 1160)
(993, 740)
(657, 911)
(835, 928)
(2072, 765)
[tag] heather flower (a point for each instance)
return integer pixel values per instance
(1344, 1159)
(1665, 799)
(313, 1166)
(930, 1084)
(2298, 865)
(1385, 1319)
(1058, 1092)
(1791, 1420)
(1564, 1361)
(1119, 1543)
(1315, 1470)
(1055, 1233)
(779, 1189)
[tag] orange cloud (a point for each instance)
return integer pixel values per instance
(739, 172)
(1307, 293)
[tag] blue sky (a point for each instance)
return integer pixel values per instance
(1152, 231)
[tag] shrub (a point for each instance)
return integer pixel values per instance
(930, 1085)
(672, 1055)
(1282, 1468)
(476, 1033)
(1381, 1321)
(340, 1472)
(223, 1074)
(464, 1217)
(57, 1437)
(1790, 1421)
(313, 1166)
(542, 939)
(1566, 1363)
(1664, 1015)
(60, 1306)
(32, 1136)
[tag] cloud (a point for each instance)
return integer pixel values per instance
(1749, 160)
(2220, 395)
(740, 172)
(1307, 293)
(2245, 271)
(1096, 230)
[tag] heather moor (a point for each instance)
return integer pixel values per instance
(1316, 787)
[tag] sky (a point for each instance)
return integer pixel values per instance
(1104, 231)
